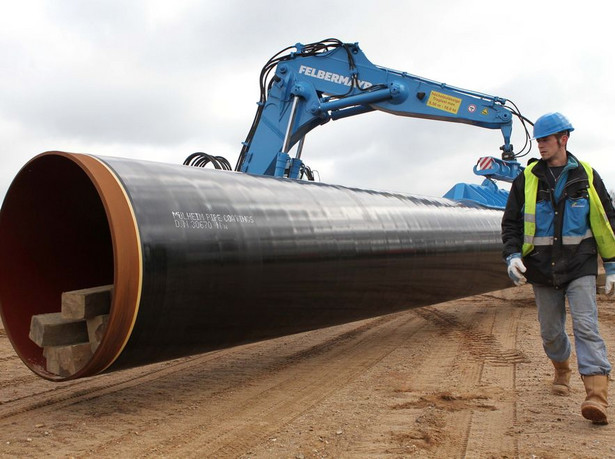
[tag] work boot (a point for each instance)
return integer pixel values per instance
(594, 406)
(561, 381)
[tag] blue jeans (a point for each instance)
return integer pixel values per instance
(591, 351)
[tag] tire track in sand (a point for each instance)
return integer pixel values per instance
(229, 423)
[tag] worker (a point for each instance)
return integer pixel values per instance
(558, 216)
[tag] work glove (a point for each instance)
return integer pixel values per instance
(609, 285)
(516, 268)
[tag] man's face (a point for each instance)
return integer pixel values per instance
(552, 149)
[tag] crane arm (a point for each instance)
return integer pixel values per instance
(331, 80)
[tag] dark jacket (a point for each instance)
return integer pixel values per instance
(559, 263)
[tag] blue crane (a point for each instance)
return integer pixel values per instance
(330, 80)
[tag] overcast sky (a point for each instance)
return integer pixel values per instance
(161, 79)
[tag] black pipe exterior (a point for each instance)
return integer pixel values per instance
(202, 259)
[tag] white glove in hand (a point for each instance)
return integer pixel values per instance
(609, 284)
(516, 268)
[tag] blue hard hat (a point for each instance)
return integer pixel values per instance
(551, 123)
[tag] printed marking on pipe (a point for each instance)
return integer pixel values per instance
(441, 101)
(208, 221)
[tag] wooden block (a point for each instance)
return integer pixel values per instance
(67, 360)
(96, 329)
(87, 303)
(75, 357)
(53, 366)
(53, 363)
(54, 330)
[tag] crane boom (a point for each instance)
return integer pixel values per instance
(331, 80)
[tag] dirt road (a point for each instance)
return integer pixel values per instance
(461, 379)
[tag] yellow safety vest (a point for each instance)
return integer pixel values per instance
(599, 222)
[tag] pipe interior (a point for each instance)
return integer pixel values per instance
(54, 237)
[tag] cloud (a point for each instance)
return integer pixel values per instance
(159, 80)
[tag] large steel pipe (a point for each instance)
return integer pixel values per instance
(204, 259)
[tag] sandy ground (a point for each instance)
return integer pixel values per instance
(466, 378)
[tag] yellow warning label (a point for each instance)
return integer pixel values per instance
(444, 102)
